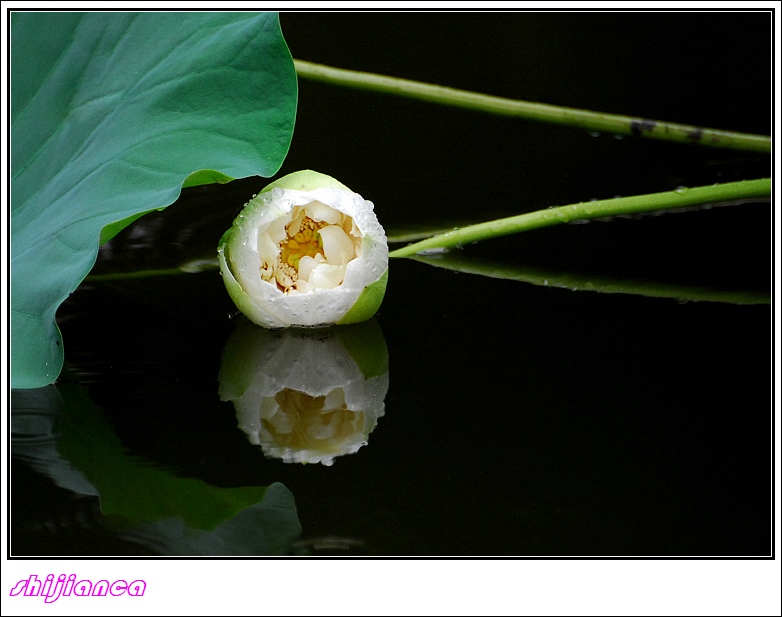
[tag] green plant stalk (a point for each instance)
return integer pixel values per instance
(581, 118)
(669, 200)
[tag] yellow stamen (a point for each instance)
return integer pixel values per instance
(305, 242)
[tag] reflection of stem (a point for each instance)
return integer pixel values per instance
(191, 267)
(583, 282)
(636, 204)
(581, 118)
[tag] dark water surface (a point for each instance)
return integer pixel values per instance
(519, 419)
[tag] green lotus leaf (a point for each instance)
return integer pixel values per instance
(110, 114)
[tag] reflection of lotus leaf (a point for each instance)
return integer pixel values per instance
(306, 396)
(62, 434)
(131, 490)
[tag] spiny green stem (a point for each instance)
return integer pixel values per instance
(636, 204)
(581, 118)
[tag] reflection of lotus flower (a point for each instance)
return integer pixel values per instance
(306, 251)
(306, 396)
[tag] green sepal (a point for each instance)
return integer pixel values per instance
(305, 180)
(368, 302)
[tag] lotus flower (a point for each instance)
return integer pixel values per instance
(306, 251)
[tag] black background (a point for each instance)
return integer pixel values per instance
(520, 420)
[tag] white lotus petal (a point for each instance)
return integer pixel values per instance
(334, 399)
(318, 211)
(307, 265)
(326, 276)
(276, 229)
(337, 246)
(268, 249)
(297, 215)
